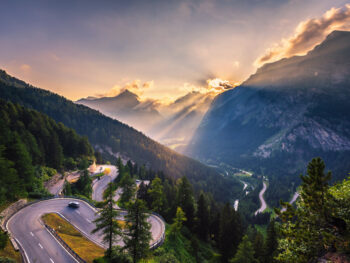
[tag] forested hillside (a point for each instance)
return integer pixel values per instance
(282, 116)
(113, 137)
(32, 147)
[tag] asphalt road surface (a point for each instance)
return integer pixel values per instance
(100, 185)
(40, 246)
(262, 200)
(157, 225)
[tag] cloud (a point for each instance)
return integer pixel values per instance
(212, 85)
(134, 87)
(218, 85)
(308, 34)
(25, 67)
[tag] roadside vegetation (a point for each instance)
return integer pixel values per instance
(85, 248)
(7, 251)
(32, 148)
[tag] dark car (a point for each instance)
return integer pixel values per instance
(73, 204)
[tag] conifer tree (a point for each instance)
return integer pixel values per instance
(203, 216)
(157, 195)
(179, 218)
(245, 252)
(259, 248)
(271, 243)
(307, 229)
(230, 232)
(186, 201)
(129, 188)
(138, 235)
(107, 220)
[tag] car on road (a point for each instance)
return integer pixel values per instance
(73, 204)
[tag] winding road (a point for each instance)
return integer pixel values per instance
(262, 200)
(294, 198)
(99, 186)
(39, 246)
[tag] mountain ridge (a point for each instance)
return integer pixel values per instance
(283, 115)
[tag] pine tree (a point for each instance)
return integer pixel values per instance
(10, 185)
(259, 247)
(178, 221)
(307, 229)
(271, 243)
(55, 153)
(245, 252)
(129, 188)
(138, 235)
(67, 189)
(23, 161)
(186, 201)
(107, 220)
(202, 217)
(157, 195)
(230, 233)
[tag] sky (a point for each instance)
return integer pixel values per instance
(160, 49)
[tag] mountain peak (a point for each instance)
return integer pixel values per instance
(127, 93)
(337, 33)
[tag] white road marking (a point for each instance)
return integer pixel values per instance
(52, 260)
(62, 246)
(31, 233)
(25, 253)
(88, 220)
(77, 212)
(40, 246)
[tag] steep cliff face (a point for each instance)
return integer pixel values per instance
(285, 114)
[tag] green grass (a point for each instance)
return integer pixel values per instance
(85, 248)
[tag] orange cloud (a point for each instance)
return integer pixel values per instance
(134, 87)
(25, 67)
(308, 34)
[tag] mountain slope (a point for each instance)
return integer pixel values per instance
(113, 137)
(173, 125)
(30, 140)
(126, 107)
(182, 118)
(283, 115)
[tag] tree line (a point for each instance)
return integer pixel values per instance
(32, 147)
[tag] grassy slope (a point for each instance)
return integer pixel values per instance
(81, 245)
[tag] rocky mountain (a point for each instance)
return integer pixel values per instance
(127, 108)
(286, 113)
(172, 124)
